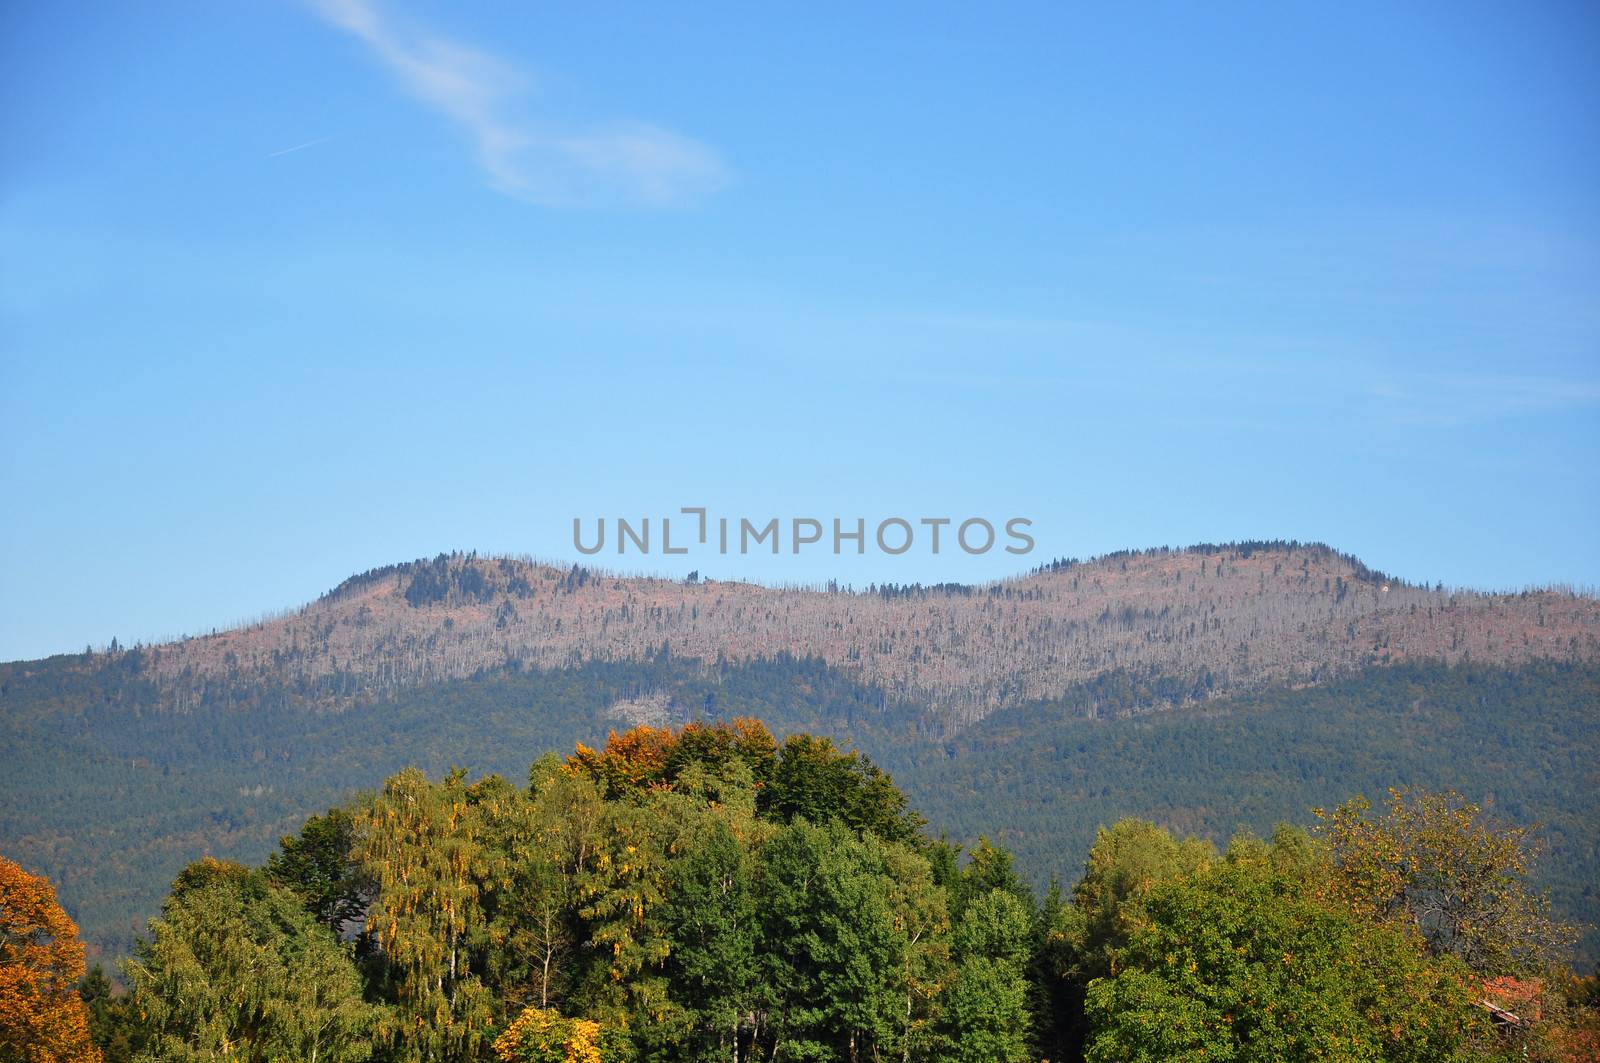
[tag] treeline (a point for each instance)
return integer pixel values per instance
(454, 576)
(709, 893)
(1242, 548)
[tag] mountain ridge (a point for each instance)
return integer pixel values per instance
(1204, 620)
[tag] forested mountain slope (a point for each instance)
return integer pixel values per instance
(113, 804)
(1525, 743)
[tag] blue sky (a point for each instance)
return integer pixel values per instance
(291, 289)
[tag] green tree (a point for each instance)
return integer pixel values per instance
(711, 916)
(537, 845)
(236, 968)
(990, 868)
(1076, 945)
(113, 1024)
(1126, 862)
(829, 947)
(988, 1004)
(815, 781)
(318, 864)
(625, 924)
(919, 910)
(1053, 1003)
(1241, 962)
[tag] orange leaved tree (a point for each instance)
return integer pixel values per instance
(42, 1018)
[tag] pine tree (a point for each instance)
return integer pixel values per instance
(318, 865)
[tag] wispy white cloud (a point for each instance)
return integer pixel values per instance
(298, 147)
(1446, 399)
(1009, 325)
(479, 91)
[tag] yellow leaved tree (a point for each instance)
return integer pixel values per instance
(42, 1018)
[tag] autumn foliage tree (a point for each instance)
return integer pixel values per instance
(540, 1035)
(1434, 861)
(42, 1018)
(421, 843)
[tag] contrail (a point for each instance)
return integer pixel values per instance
(299, 147)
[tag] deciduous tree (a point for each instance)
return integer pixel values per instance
(988, 1007)
(420, 843)
(1243, 962)
(830, 951)
(235, 968)
(42, 1017)
(1434, 860)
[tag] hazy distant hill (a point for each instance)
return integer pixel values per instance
(1022, 709)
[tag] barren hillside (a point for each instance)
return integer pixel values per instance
(1206, 621)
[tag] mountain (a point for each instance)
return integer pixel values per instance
(1201, 623)
(1204, 687)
